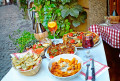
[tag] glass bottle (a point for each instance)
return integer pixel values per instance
(40, 31)
(114, 13)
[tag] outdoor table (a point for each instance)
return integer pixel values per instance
(110, 34)
(44, 75)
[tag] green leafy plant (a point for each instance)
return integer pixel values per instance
(75, 13)
(15, 2)
(25, 40)
(61, 12)
(24, 6)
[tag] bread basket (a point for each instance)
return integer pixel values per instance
(33, 71)
(30, 72)
(114, 19)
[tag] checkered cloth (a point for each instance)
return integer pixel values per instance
(110, 34)
(99, 69)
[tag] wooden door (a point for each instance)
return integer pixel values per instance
(117, 6)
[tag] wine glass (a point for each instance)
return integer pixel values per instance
(87, 43)
(52, 26)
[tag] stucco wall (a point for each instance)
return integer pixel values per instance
(96, 10)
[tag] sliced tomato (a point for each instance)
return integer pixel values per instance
(51, 57)
(72, 52)
(38, 50)
(72, 41)
(81, 33)
(22, 70)
(71, 34)
(79, 37)
(93, 34)
(39, 44)
(34, 46)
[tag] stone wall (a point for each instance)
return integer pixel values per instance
(97, 11)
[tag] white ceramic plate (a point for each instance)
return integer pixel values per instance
(47, 55)
(104, 24)
(65, 56)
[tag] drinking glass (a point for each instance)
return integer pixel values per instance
(107, 20)
(52, 26)
(87, 43)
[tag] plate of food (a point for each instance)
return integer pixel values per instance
(65, 66)
(38, 49)
(45, 43)
(75, 38)
(59, 49)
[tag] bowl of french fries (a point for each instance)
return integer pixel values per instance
(27, 63)
(65, 66)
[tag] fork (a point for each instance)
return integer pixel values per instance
(87, 72)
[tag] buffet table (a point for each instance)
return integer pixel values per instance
(98, 53)
(110, 34)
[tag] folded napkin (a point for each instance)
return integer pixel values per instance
(19, 55)
(99, 69)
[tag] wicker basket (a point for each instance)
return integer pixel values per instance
(31, 72)
(114, 19)
(40, 36)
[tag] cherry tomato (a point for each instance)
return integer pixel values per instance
(72, 41)
(39, 44)
(34, 46)
(81, 33)
(22, 70)
(51, 57)
(38, 50)
(79, 37)
(71, 34)
(72, 52)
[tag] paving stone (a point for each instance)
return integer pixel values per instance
(11, 19)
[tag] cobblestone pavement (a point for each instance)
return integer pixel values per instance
(11, 19)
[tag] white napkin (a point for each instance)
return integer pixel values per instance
(19, 55)
(99, 69)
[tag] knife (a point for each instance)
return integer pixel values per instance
(93, 70)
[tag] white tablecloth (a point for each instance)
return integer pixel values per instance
(44, 75)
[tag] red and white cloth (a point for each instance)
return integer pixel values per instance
(110, 34)
(99, 69)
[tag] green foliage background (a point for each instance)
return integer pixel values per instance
(60, 11)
